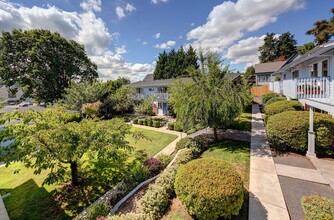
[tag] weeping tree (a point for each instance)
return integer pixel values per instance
(211, 98)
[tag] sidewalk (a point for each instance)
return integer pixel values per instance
(266, 199)
(3, 211)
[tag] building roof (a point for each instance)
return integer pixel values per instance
(148, 81)
(234, 76)
(268, 67)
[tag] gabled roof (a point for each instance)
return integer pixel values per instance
(268, 67)
(148, 81)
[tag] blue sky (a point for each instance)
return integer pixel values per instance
(124, 37)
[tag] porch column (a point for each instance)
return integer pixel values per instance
(311, 136)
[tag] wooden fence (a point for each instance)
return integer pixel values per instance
(260, 90)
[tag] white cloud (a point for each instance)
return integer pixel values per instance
(91, 5)
(157, 1)
(157, 36)
(230, 21)
(145, 43)
(85, 28)
(120, 12)
(129, 7)
(165, 45)
(192, 24)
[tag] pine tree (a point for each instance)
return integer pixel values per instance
(286, 45)
(268, 51)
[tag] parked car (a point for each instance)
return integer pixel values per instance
(11, 102)
(25, 104)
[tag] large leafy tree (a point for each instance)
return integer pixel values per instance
(305, 47)
(323, 30)
(43, 63)
(123, 99)
(286, 45)
(56, 140)
(175, 63)
(211, 98)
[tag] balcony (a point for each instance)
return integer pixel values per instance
(307, 88)
(157, 96)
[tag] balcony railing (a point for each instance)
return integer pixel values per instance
(140, 96)
(315, 87)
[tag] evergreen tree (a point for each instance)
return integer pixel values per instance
(305, 47)
(175, 63)
(323, 30)
(249, 76)
(268, 51)
(286, 45)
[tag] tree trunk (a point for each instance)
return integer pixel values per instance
(74, 173)
(215, 134)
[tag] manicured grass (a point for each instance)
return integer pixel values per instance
(242, 123)
(235, 152)
(155, 142)
(29, 196)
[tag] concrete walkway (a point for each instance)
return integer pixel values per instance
(266, 199)
(3, 211)
(326, 168)
(170, 148)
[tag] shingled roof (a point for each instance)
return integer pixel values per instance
(268, 67)
(149, 81)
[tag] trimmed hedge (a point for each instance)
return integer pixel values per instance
(182, 143)
(185, 156)
(275, 99)
(141, 121)
(209, 188)
(171, 126)
(165, 159)
(289, 130)
(318, 207)
(281, 106)
(178, 126)
(135, 121)
(156, 124)
(268, 96)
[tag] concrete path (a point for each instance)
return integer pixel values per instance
(266, 199)
(326, 168)
(170, 148)
(3, 211)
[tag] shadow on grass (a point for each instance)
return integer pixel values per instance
(231, 146)
(29, 201)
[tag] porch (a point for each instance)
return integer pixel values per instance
(303, 88)
(160, 96)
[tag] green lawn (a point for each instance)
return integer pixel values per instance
(242, 123)
(155, 142)
(235, 152)
(29, 196)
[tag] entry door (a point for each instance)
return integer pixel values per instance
(160, 110)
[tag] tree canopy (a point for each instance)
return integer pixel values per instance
(274, 48)
(175, 63)
(43, 63)
(323, 30)
(211, 98)
(56, 140)
(305, 47)
(249, 76)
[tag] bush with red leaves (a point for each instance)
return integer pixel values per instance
(154, 166)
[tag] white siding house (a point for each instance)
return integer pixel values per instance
(309, 79)
(10, 95)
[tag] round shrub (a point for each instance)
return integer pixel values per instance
(156, 124)
(182, 143)
(268, 96)
(171, 126)
(150, 123)
(317, 207)
(185, 156)
(275, 99)
(141, 121)
(209, 188)
(178, 126)
(146, 121)
(281, 106)
(154, 166)
(99, 209)
(135, 121)
(289, 130)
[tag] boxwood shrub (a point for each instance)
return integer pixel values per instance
(281, 106)
(182, 143)
(185, 156)
(171, 126)
(289, 130)
(268, 96)
(178, 126)
(318, 207)
(141, 121)
(135, 121)
(275, 99)
(156, 124)
(209, 188)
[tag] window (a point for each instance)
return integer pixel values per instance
(263, 78)
(295, 74)
(284, 76)
(151, 89)
(314, 72)
(325, 68)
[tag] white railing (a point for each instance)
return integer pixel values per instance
(289, 88)
(140, 96)
(277, 87)
(271, 86)
(316, 87)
